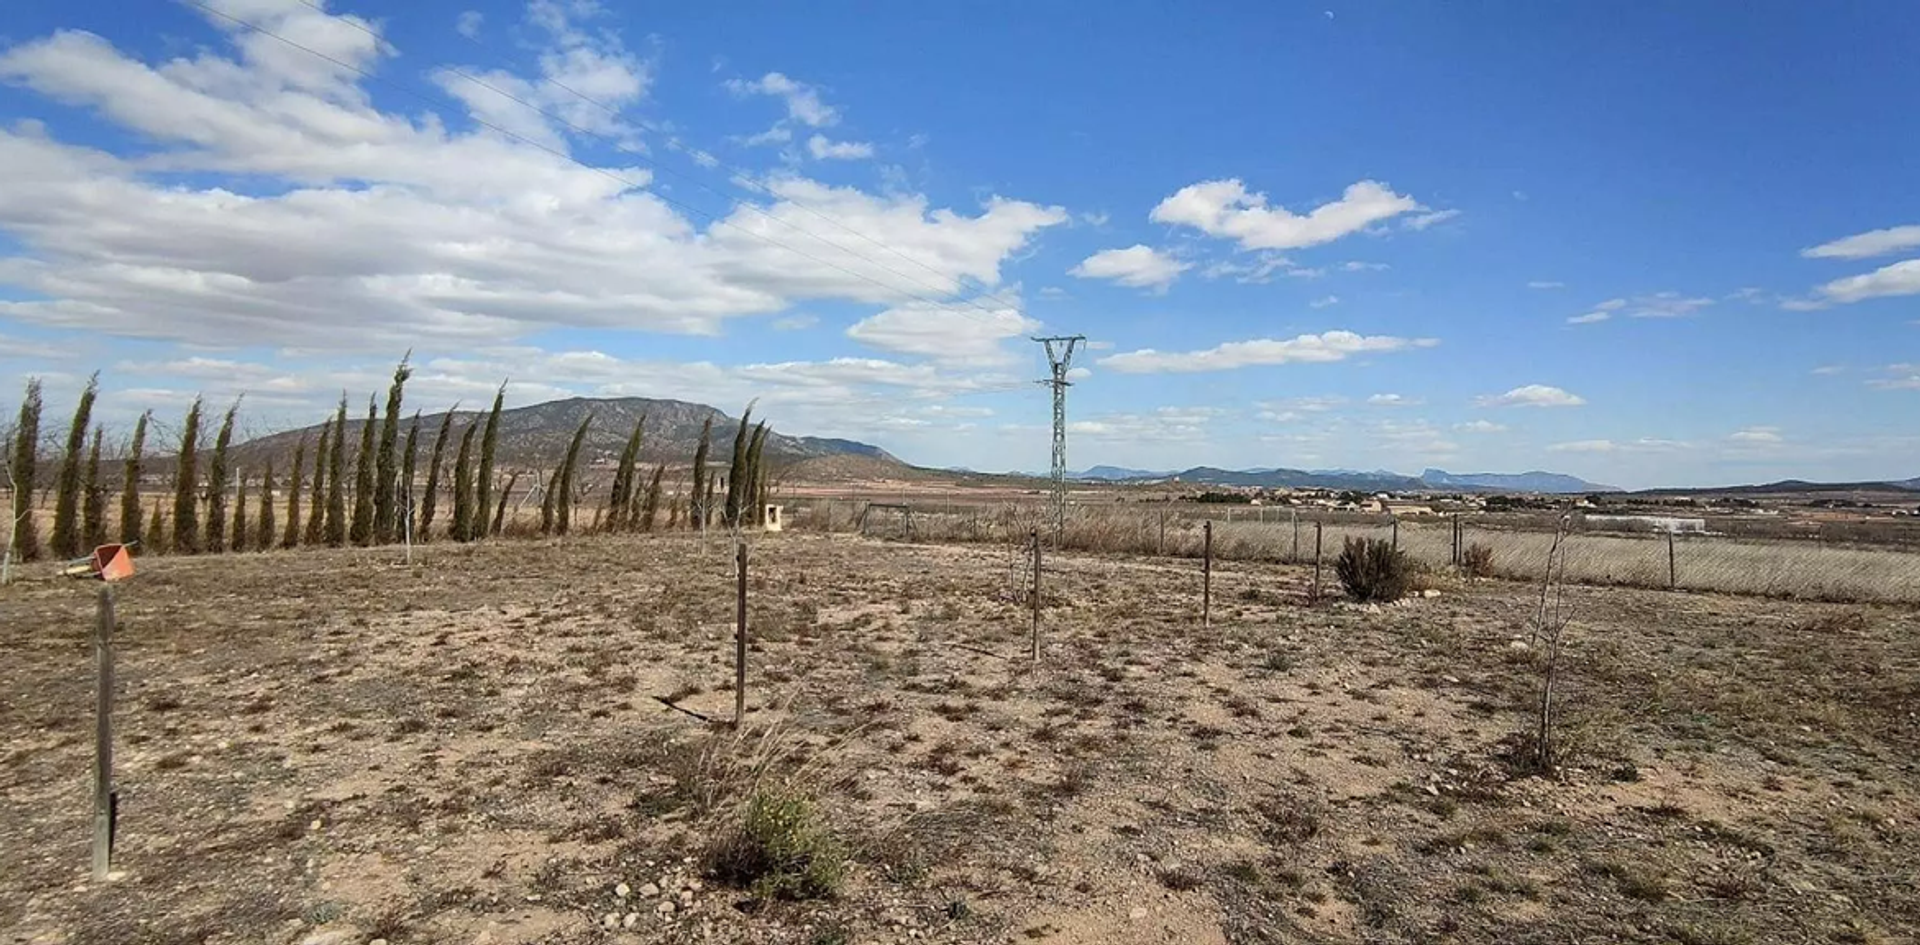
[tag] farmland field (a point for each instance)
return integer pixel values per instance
(334, 747)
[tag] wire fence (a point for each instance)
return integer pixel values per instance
(1800, 568)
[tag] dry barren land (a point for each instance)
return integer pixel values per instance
(331, 747)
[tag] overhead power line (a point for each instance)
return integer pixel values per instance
(689, 178)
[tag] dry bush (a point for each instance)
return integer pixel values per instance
(781, 848)
(731, 764)
(1477, 560)
(1371, 569)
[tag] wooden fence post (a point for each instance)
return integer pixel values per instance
(1456, 539)
(1316, 562)
(1206, 576)
(1293, 515)
(740, 638)
(1163, 533)
(1396, 533)
(1673, 573)
(106, 800)
(1035, 535)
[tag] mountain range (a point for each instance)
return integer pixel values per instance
(1379, 480)
(536, 436)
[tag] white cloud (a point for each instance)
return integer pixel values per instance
(1226, 209)
(1655, 305)
(1139, 266)
(1757, 436)
(587, 76)
(1532, 395)
(388, 230)
(1394, 400)
(1259, 271)
(1901, 278)
(468, 23)
(1162, 425)
(1898, 377)
(954, 334)
(1480, 426)
(1872, 243)
(1355, 265)
(1642, 445)
(1425, 220)
(795, 322)
(1291, 409)
(824, 149)
(1324, 301)
(802, 100)
(1305, 349)
(1546, 284)
(1829, 369)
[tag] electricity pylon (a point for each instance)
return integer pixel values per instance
(1059, 358)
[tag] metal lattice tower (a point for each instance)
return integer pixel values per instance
(1060, 358)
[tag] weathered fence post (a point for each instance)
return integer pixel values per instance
(1396, 533)
(1293, 515)
(740, 638)
(1673, 573)
(1035, 536)
(1162, 547)
(1456, 539)
(1206, 576)
(1316, 562)
(106, 801)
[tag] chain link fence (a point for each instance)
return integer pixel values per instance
(1805, 568)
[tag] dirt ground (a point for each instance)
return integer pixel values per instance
(331, 747)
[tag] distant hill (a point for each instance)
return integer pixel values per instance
(1115, 473)
(1379, 480)
(1535, 481)
(536, 436)
(1794, 486)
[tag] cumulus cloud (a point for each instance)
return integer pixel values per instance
(1226, 209)
(1162, 425)
(824, 149)
(1532, 395)
(1324, 301)
(1139, 266)
(390, 231)
(1424, 220)
(1655, 305)
(1304, 349)
(1866, 245)
(1901, 278)
(1394, 400)
(1757, 436)
(468, 23)
(956, 334)
(803, 101)
(1480, 426)
(1642, 445)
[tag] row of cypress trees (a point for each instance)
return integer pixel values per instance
(378, 507)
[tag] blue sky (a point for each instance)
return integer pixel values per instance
(1644, 244)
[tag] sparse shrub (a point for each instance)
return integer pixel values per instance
(781, 849)
(1477, 560)
(1371, 569)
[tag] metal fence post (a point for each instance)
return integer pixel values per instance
(105, 798)
(740, 638)
(1206, 577)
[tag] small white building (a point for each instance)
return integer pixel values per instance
(1657, 523)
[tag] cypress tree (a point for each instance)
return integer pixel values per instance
(66, 504)
(130, 520)
(500, 512)
(404, 516)
(750, 506)
(621, 504)
(265, 538)
(546, 501)
(737, 469)
(186, 496)
(24, 455)
(94, 530)
(563, 506)
(483, 486)
(697, 499)
(317, 493)
(292, 536)
(384, 469)
(337, 478)
(217, 483)
(158, 542)
(430, 500)
(363, 485)
(239, 542)
(652, 506)
(463, 488)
